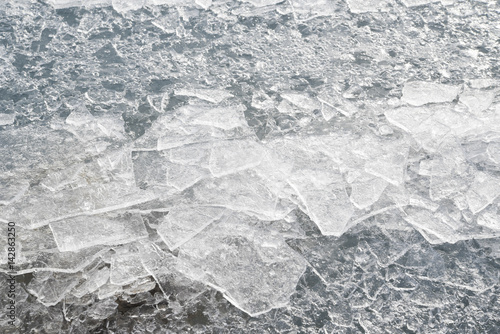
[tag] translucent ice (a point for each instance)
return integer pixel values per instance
(169, 161)
(483, 191)
(490, 218)
(321, 189)
(232, 156)
(94, 280)
(210, 95)
(126, 5)
(11, 190)
(302, 101)
(477, 100)
(436, 228)
(126, 265)
(154, 169)
(243, 191)
(85, 231)
(255, 270)
(225, 118)
(418, 93)
(50, 288)
(6, 119)
(493, 152)
(183, 223)
(412, 3)
(366, 189)
(358, 6)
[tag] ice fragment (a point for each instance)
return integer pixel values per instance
(418, 93)
(255, 270)
(85, 231)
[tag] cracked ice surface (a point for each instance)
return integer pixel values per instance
(260, 166)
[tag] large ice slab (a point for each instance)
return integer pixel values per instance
(108, 229)
(243, 191)
(483, 191)
(126, 266)
(93, 281)
(358, 6)
(414, 3)
(366, 189)
(418, 93)
(210, 95)
(154, 169)
(255, 270)
(232, 156)
(183, 223)
(50, 288)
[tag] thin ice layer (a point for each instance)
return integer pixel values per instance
(126, 265)
(483, 191)
(232, 156)
(255, 269)
(106, 229)
(183, 223)
(418, 93)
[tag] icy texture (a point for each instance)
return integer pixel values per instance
(82, 232)
(419, 93)
(213, 166)
(255, 269)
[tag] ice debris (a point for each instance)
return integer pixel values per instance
(418, 93)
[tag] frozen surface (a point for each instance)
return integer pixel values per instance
(254, 269)
(253, 166)
(85, 231)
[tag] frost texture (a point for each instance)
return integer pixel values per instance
(256, 166)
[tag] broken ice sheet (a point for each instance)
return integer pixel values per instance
(222, 117)
(490, 217)
(29, 150)
(210, 95)
(243, 191)
(359, 6)
(414, 3)
(418, 93)
(324, 198)
(50, 288)
(449, 171)
(477, 100)
(174, 284)
(41, 206)
(12, 189)
(36, 250)
(126, 265)
(255, 269)
(6, 119)
(106, 229)
(483, 191)
(493, 152)
(232, 156)
(302, 101)
(196, 154)
(262, 60)
(108, 290)
(183, 223)
(154, 169)
(93, 281)
(408, 118)
(386, 158)
(435, 227)
(103, 129)
(195, 123)
(103, 309)
(366, 189)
